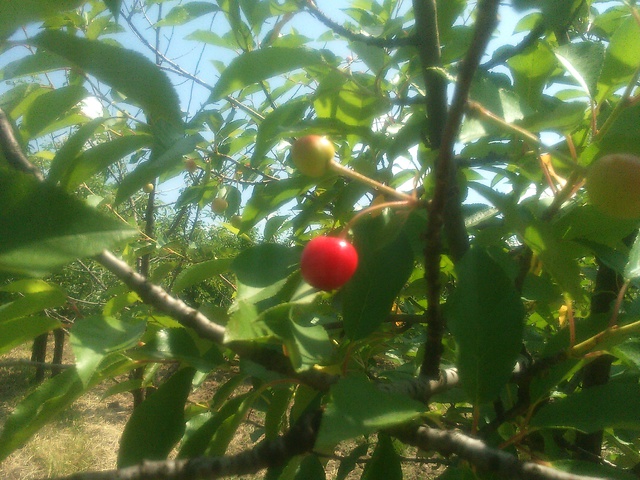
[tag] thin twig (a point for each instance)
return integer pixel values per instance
(391, 42)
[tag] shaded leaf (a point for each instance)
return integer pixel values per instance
(614, 405)
(382, 272)
(160, 162)
(263, 265)
(157, 424)
(632, 269)
(485, 315)
(126, 71)
(385, 462)
(98, 158)
(17, 331)
(114, 7)
(51, 106)
(346, 418)
(42, 228)
(14, 13)
(201, 271)
(310, 467)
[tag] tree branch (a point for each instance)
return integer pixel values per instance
(13, 151)
(268, 453)
(444, 209)
(480, 455)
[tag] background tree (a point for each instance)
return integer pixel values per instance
(492, 319)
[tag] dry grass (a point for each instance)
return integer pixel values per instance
(86, 436)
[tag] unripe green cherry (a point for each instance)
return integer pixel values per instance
(219, 205)
(236, 221)
(613, 185)
(312, 155)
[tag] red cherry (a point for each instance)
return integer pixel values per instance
(328, 262)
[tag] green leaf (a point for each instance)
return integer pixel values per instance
(614, 405)
(632, 269)
(557, 256)
(345, 417)
(591, 469)
(583, 60)
(265, 264)
(385, 463)
(485, 315)
(382, 272)
(258, 65)
(306, 345)
(42, 228)
(349, 463)
(276, 415)
(310, 467)
(157, 424)
(531, 70)
(268, 198)
(14, 13)
(127, 71)
(622, 57)
(98, 158)
(32, 303)
(17, 331)
(226, 430)
(93, 338)
(160, 162)
(349, 101)
(114, 7)
(38, 62)
(280, 120)
(181, 14)
(200, 272)
(51, 106)
(623, 134)
(66, 156)
(38, 408)
(220, 424)
(181, 344)
(586, 222)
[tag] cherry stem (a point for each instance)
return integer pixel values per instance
(374, 208)
(342, 170)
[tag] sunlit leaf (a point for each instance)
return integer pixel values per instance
(181, 14)
(93, 338)
(258, 65)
